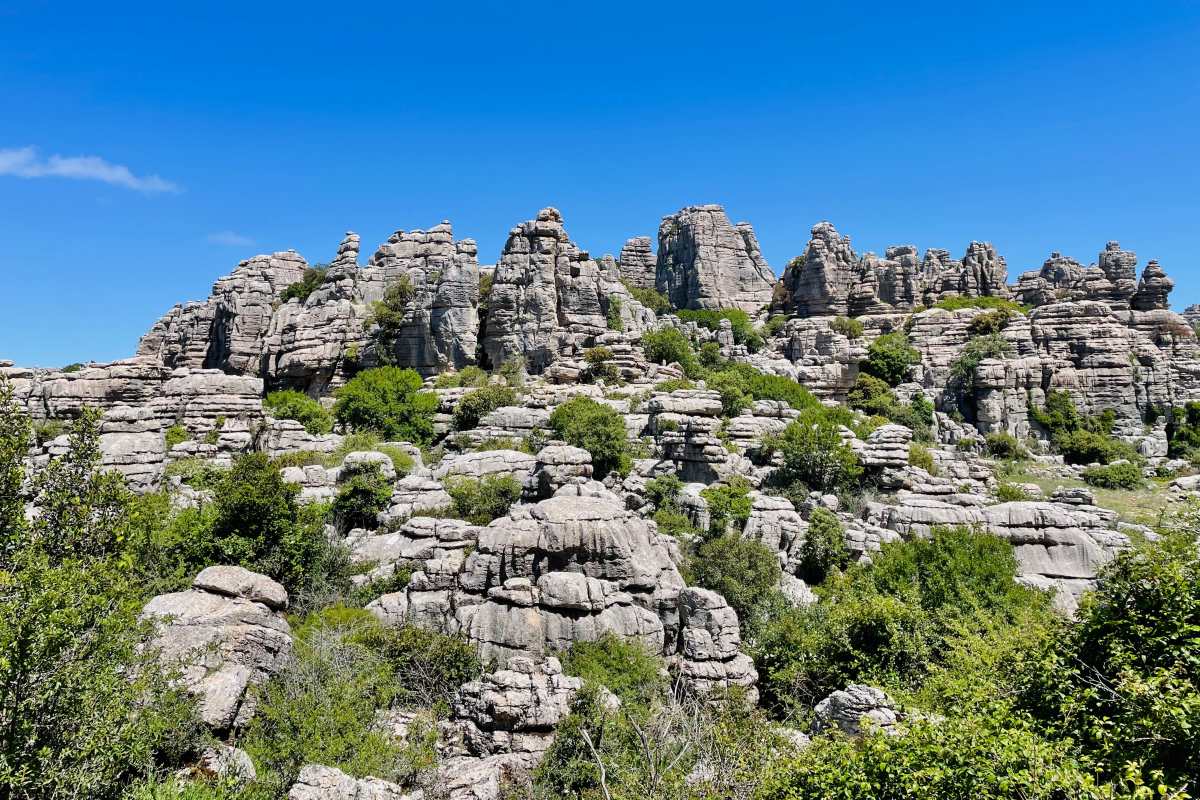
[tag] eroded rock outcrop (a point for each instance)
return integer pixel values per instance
(705, 262)
(225, 635)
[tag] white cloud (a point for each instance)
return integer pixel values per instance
(230, 238)
(24, 162)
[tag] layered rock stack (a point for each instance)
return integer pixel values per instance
(637, 263)
(705, 262)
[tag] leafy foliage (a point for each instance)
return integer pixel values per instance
(388, 401)
(814, 455)
(850, 328)
(470, 377)
(743, 571)
(824, 549)
(993, 303)
(313, 277)
(477, 404)
(481, 501)
(741, 326)
(729, 505)
(595, 427)
(362, 495)
(1003, 444)
(979, 348)
(670, 346)
(654, 300)
(1122, 475)
(891, 358)
(623, 666)
(291, 404)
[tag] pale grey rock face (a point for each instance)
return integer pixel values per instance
(710, 655)
(316, 782)
(549, 298)
(637, 263)
(856, 710)
(479, 465)
(818, 282)
(705, 262)
(229, 763)
(514, 710)
(225, 635)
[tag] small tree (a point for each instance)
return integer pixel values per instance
(388, 401)
(294, 405)
(891, 358)
(815, 455)
(824, 548)
(743, 571)
(595, 427)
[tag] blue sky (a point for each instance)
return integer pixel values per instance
(187, 141)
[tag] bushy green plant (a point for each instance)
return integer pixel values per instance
(1087, 447)
(871, 396)
(673, 522)
(824, 548)
(1183, 432)
(623, 666)
(600, 366)
(710, 356)
(313, 277)
(477, 404)
(1009, 492)
(740, 324)
(654, 300)
(390, 312)
(483, 500)
(891, 358)
(470, 377)
(729, 505)
(670, 346)
(1002, 444)
(994, 303)
(919, 456)
(291, 404)
(963, 369)
(989, 322)
(597, 428)
(743, 571)
(176, 434)
(814, 454)
(613, 315)
(362, 495)
(850, 328)
(1122, 475)
(388, 401)
(664, 490)
(774, 325)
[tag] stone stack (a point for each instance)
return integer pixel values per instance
(705, 262)
(637, 263)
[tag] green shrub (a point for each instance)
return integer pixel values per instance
(919, 456)
(977, 756)
(673, 384)
(741, 327)
(963, 368)
(429, 666)
(623, 666)
(774, 325)
(824, 549)
(871, 396)
(710, 356)
(600, 366)
(1002, 444)
(481, 501)
(314, 276)
(388, 401)
(850, 328)
(470, 377)
(994, 303)
(363, 494)
(1008, 493)
(664, 490)
(743, 571)
(321, 709)
(176, 434)
(729, 505)
(989, 322)
(1183, 432)
(613, 316)
(892, 622)
(814, 454)
(477, 404)
(390, 312)
(654, 300)
(670, 346)
(675, 523)
(891, 358)
(741, 384)
(290, 404)
(597, 428)
(1131, 668)
(1059, 414)
(1122, 475)
(1085, 447)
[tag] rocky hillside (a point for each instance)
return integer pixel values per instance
(660, 525)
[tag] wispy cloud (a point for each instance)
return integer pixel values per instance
(230, 238)
(24, 162)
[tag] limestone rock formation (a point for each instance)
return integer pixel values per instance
(316, 782)
(226, 635)
(705, 262)
(637, 263)
(855, 710)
